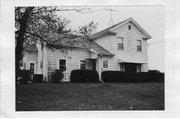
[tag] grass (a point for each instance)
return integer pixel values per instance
(89, 96)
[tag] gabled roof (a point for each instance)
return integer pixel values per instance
(100, 50)
(81, 42)
(109, 29)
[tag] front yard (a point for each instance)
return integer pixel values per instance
(89, 96)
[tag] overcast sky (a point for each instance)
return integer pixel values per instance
(150, 18)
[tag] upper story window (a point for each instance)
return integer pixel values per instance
(120, 43)
(105, 63)
(129, 27)
(62, 64)
(82, 64)
(139, 45)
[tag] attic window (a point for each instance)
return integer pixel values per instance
(129, 27)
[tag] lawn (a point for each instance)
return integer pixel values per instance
(89, 96)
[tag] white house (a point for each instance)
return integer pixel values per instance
(121, 47)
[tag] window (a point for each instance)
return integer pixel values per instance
(82, 64)
(139, 46)
(105, 63)
(62, 64)
(120, 43)
(32, 68)
(129, 27)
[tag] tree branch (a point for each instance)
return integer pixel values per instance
(56, 46)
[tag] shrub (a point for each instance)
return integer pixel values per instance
(84, 76)
(132, 77)
(24, 76)
(155, 77)
(37, 78)
(57, 76)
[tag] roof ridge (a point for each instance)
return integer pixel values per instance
(94, 36)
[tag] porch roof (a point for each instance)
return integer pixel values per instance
(128, 61)
(84, 43)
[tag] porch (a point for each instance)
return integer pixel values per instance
(129, 66)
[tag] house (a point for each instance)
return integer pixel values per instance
(121, 47)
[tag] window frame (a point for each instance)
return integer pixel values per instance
(80, 64)
(65, 63)
(107, 64)
(32, 62)
(139, 47)
(120, 46)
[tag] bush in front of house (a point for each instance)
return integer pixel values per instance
(118, 76)
(132, 77)
(38, 78)
(155, 77)
(24, 76)
(84, 76)
(57, 76)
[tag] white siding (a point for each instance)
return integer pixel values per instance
(72, 56)
(129, 54)
(105, 42)
(113, 65)
(130, 45)
(39, 59)
(30, 57)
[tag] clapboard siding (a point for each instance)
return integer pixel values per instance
(130, 53)
(31, 57)
(39, 59)
(113, 64)
(72, 56)
(104, 42)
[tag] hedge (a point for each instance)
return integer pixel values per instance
(132, 77)
(24, 76)
(38, 78)
(57, 76)
(84, 76)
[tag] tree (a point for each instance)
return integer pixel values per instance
(42, 23)
(88, 29)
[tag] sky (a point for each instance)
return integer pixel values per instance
(150, 18)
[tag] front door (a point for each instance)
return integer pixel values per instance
(32, 66)
(93, 64)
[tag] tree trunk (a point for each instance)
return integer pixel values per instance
(21, 34)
